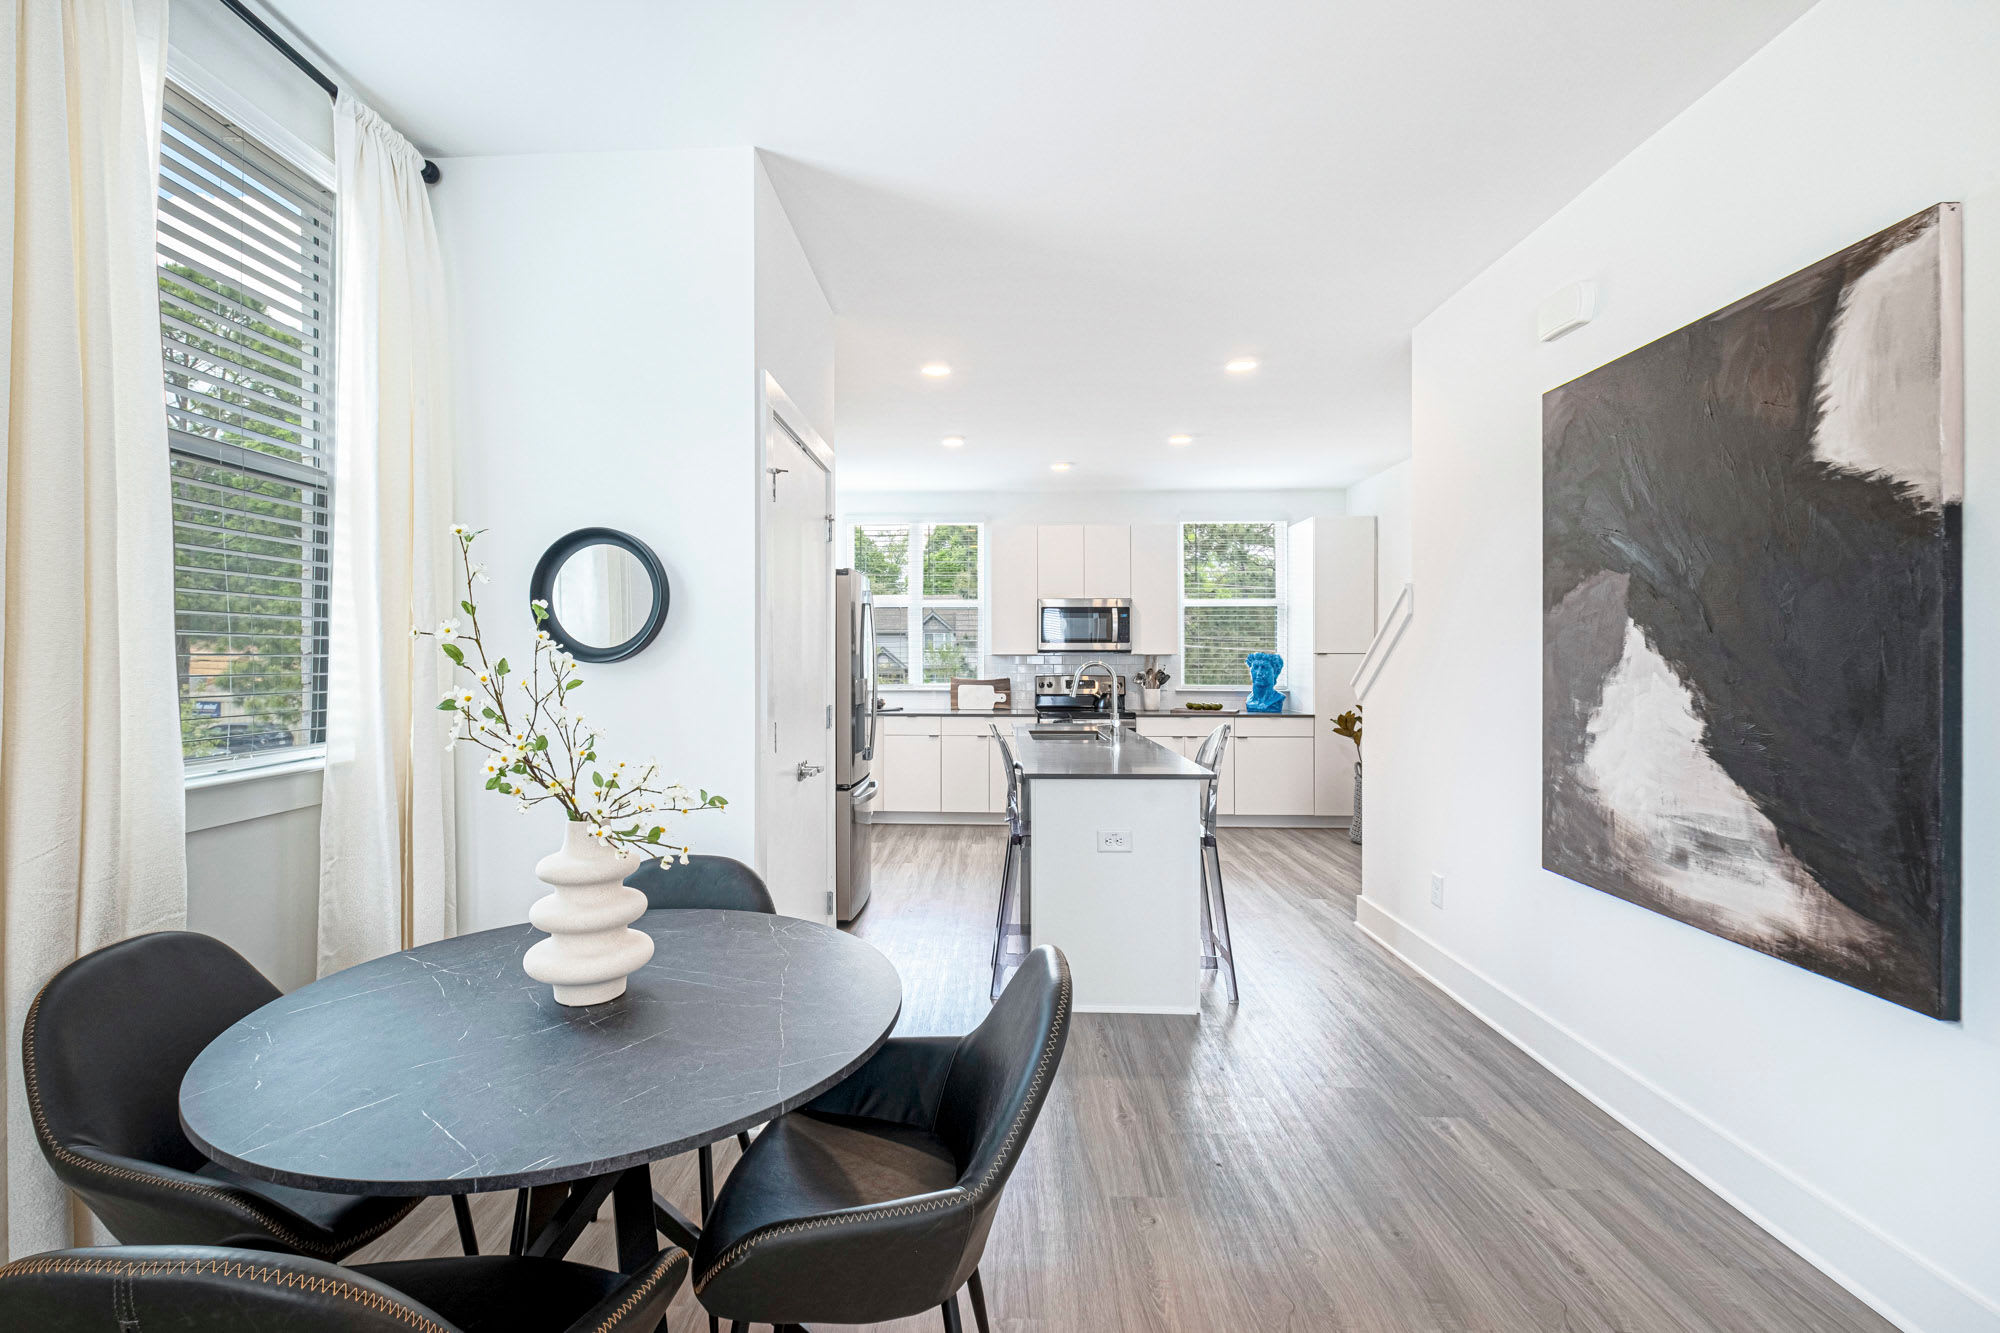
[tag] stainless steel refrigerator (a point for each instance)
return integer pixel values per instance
(854, 742)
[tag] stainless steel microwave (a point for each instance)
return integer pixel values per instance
(1086, 624)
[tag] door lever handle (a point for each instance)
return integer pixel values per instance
(808, 770)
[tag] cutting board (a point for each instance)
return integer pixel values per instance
(1001, 687)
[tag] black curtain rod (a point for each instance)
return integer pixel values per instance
(310, 70)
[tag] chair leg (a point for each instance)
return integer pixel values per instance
(978, 1290)
(461, 1212)
(1207, 919)
(950, 1308)
(1225, 949)
(1009, 877)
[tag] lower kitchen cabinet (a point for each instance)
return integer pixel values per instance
(967, 773)
(1274, 774)
(912, 758)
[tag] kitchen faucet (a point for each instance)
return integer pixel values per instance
(1117, 713)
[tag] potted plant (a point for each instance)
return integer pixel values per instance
(1348, 724)
(539, 749)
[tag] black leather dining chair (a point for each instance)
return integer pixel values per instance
(136, 1289)
(874, 1201)
(103, 1052)
(705, 881)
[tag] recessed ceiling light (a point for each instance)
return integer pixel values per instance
(1059, 467)
(937, 370)
(954, 441)
(1180, 439)
(1242, 365)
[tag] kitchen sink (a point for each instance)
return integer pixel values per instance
(1059, 731)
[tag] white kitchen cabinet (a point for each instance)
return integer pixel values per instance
(1343, 611)
(1107, 560)
(912, 749)
(1184, 736)
(1011, 562)
(1156, 590)
(1333, 756)
(965, 776)
(1059, 560)
(1274, 774)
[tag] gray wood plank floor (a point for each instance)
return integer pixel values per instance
(1348, 1149)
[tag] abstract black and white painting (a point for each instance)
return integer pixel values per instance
(1750, 688)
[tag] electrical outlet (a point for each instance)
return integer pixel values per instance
(1437, 891)
(1114, 840)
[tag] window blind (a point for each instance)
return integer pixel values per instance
(245, 262)
(1230, 581)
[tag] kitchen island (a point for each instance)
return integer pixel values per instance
(1114, 854)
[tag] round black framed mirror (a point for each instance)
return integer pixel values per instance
(606, 591)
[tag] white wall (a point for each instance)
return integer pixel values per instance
(612, 316)
(1386, 495)
(794, 333)
(1864, 1134)
(603, 327)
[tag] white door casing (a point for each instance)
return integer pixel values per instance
(795, 743)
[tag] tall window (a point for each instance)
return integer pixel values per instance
(246, 333)
(1230, 599)
(925, 580)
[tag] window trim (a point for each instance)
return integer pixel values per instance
(1183, 601)
(914, 600)
(187, 80)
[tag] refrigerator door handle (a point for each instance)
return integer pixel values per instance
(864, 793)
(868, 673)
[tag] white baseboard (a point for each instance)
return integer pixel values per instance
(1903, 1286)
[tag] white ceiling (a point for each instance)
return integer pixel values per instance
(1083, 206)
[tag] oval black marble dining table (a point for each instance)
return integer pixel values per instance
(445, 1069)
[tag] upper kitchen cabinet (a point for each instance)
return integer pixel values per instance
(1343, 580)
(1059, 560)
(1011, 581)
(1107, 560)
(1156, 593)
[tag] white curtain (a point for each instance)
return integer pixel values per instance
(92, 822)
(386, 876)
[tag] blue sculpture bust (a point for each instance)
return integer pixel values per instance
(1265, 696)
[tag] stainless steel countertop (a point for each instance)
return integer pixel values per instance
(1131, 756)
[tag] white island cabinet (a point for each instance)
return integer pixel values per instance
(1115, 867)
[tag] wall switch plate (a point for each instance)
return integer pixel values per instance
(1437, 891)
(1114, 840)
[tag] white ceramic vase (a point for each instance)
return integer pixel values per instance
(591, 947)
(1151, 697)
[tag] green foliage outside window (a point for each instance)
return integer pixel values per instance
(243, 592)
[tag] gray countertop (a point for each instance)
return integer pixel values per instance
(1132, 756)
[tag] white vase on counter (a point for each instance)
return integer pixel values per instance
(1151, 699)
(591, 947)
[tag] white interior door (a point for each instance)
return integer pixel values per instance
(795, 817)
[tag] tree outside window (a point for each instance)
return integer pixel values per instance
(926, 584)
